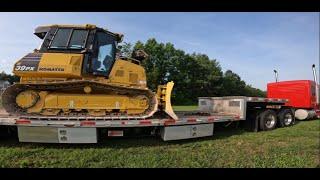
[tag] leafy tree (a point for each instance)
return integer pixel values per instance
(233, 85)
(9, 77)
(195, 75)
(126, 49)
(251, 91)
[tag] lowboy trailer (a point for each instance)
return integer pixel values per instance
(258, 114)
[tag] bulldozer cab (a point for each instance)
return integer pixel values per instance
(97, 45)
(100, 59)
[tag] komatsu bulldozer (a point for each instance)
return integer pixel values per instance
(78, 72)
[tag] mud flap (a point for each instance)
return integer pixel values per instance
(164, 95)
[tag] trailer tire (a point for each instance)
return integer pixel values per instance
(268, 120)
(286, 118)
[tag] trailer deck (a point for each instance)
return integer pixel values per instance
(190, 124)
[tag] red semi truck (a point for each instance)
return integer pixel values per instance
(303, 95)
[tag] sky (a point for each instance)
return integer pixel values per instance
(250, 44)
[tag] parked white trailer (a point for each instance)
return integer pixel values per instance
(257, 113)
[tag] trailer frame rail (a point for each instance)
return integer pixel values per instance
(17, 121)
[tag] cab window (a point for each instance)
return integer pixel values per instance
(78, 39)
(104, 55)
(60, 40)
(67, 38)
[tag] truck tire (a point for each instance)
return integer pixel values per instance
(286, 118)
(267, 120)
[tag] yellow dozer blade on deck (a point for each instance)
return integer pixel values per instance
(164, 96)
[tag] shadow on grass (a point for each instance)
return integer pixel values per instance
(124, 142)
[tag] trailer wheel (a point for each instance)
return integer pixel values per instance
(286, 118)
(268, 120)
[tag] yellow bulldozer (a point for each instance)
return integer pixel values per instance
(78, 72)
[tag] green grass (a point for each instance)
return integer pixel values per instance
(296, 146)
(185, 108)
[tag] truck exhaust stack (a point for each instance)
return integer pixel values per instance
(317, 83)
(276, 75)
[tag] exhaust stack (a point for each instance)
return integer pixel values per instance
(316, 81)
(276, 75)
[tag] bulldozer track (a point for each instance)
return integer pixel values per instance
(9, 98)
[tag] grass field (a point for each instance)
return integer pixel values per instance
(296, 146)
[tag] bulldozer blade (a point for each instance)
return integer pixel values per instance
(165, 98)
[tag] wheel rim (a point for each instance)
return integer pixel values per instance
(270, 121)
(288, 119)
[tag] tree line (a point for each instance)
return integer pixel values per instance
(195, 75)
(8, 77)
